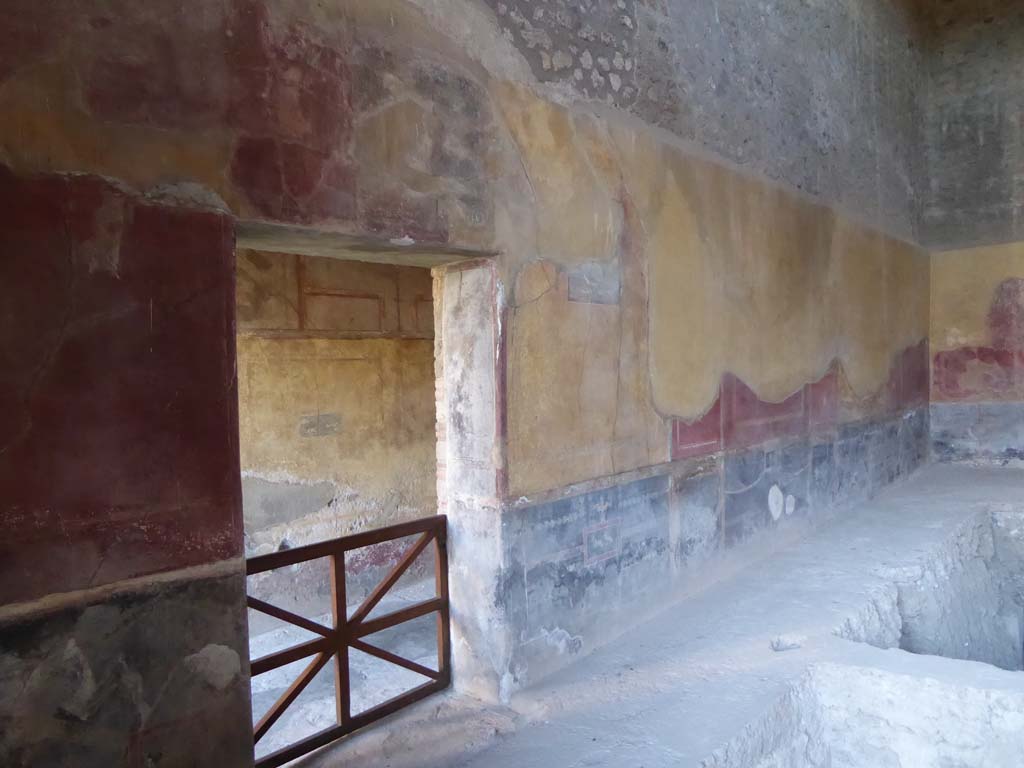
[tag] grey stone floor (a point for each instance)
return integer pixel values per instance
(696, 685)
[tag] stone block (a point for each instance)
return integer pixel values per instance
(108, 684)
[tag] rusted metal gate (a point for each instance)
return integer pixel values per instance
(347, 632)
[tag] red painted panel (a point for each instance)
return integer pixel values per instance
(1006, 315)
(747, 420)
(290, 99)
(823, 400)
(287, 82)
(118, 425)
(914, 376)
(29, 31)
(973, 372)
(698, 438)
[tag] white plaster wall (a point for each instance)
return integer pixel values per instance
(470, 468)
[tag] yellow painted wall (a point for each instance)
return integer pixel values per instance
(963, 285)
(355, 412)
(720, 273)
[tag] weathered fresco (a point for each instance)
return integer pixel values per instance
(688, 274)
(667, 358)
(782, 87)
(336, 397)
(336, 413)
(977, 336)
(120, 433)
(971, 214)
(120, 572)
(280, 109)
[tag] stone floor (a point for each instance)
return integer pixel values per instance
(796, 661)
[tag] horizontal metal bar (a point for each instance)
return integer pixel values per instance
(291, 618)
(364, 628)
(380, 653)
(288, 655)
(262, 563)
(317, 740)
(290, 695)
(389, 581)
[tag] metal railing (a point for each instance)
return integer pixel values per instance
(350, 631)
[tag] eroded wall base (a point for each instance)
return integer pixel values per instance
(107, 683)
(989, 432)
(583, 568)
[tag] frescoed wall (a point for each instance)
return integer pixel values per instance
(977, 333)
(336, 413)
(698, 359)
(336, 397)
(118, 470)
(694, 356)
(692, 281)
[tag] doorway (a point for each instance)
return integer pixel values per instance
(343, 414)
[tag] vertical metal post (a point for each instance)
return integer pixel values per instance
(339, 606)
(443, 616)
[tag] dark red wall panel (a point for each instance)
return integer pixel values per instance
(118, 405)
(747, 420)
(702, 437)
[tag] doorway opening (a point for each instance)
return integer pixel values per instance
(337, 437)
(342, 427)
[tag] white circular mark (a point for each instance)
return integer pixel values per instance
(790, 504)
(776, 502)
(217, 665)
